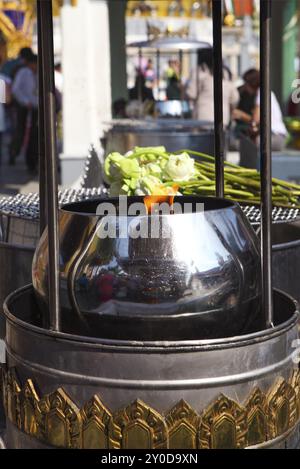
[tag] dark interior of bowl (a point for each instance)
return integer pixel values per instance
(23, 306)
(285, 232)
(89, 207)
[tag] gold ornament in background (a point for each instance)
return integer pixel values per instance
(16, 38)
(56, 420)
(171, 8)
(229, 20)
(154, 32)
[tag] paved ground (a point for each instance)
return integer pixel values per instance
(14, 179)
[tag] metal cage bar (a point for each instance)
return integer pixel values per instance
(45, 28)
(42, 162)
(266, 159)
(218, 95)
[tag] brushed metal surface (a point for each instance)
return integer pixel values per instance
(158, 373)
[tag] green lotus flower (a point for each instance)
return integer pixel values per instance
(117, 167)
(130, 168)
(154, 169)
(146, 185)
(179, 168)
(119, 188)
(112, 166)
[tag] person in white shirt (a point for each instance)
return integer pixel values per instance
(279, 132)
(25, 94)
(278, 129)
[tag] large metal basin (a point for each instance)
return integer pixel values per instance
(17, 246)
(62, 390)
(174, 134)
(286, 258)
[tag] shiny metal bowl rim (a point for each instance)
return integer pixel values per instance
(228, 205)
(135, 346)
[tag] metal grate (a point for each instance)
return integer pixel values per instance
(279, 214)
(26, 206)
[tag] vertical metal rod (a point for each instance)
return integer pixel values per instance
(180, 78)
(46, 31)
(42, 162)
(180, 58)
(265, 158)
(157, 71)
(218, 95)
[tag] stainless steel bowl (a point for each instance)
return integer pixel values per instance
(200, 278)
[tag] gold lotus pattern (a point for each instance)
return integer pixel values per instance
(55, 419)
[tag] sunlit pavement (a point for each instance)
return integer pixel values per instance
(14, 179)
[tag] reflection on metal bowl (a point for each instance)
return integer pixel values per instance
(200, 278)
(172, 108)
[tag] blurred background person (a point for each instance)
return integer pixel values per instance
(9, 70)
(200, 90)
(140, 91)
(243, 114)
(250, 117)
(173, 70)
(11, 66)
(141, 99)
(174, 88)
(16, 114)
(25, 93)
(149, 73)
(5, 84)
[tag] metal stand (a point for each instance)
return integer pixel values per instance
(48, 102)
(218, 96)
(266, 162)
(48, 120)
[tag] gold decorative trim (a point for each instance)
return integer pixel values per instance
(28, 409)
(138, 426)
(95, 421)
(59, 420)
(282, 408)
(11, 397)
(56, 420)
(223, 425)
(295, 383)
(257, 424)
(183, 424)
